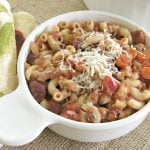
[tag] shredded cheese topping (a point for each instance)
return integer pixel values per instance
(99, 60)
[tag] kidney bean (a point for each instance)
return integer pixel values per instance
(138, 37)
(54, 107)
(31, 58)
(37, 89)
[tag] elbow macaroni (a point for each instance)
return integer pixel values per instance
(90, 25)
(91, 113)
(140, 95)
(52, 86)
(135, 104)
(53, 43)
(63, 25)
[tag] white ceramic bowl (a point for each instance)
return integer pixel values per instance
(22, 119)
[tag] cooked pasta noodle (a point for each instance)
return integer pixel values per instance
(90, 25)
(103, 26)
(63, 25)
(76, 25)
(52, 86)
(34, 48)
(53, 43)
(55, 28)
(29, 71)
(57, 96)
(44, 103)
(135, 104)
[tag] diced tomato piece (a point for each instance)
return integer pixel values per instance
(19, 40)
(69, 74)
(123, 61)
(65, 115)
(72, 106)
(146, 62)
(147, 54)
(71, 115)
(109, 85)
(133, 52)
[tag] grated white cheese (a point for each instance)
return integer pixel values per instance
(99, 60)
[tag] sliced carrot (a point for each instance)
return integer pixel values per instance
(143, 57)
(123, 61)
(133, 52)
(145, 72)
(146, 62)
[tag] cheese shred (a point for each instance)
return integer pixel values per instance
(99, 60)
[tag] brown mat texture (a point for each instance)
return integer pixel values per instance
(139, 139)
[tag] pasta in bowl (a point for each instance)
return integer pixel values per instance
(90, 71)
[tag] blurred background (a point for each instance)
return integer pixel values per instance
(136, 10)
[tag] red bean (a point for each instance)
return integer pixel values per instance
(54, 107)
(30, 58)
(37, 89)
(138, 37)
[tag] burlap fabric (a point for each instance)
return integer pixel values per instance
(139, 139)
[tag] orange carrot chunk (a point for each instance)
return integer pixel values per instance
(145, 72)
(123, 61)
(133, 52)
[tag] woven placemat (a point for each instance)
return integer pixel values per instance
(139, 139)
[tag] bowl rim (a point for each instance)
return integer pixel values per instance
(61, 120)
